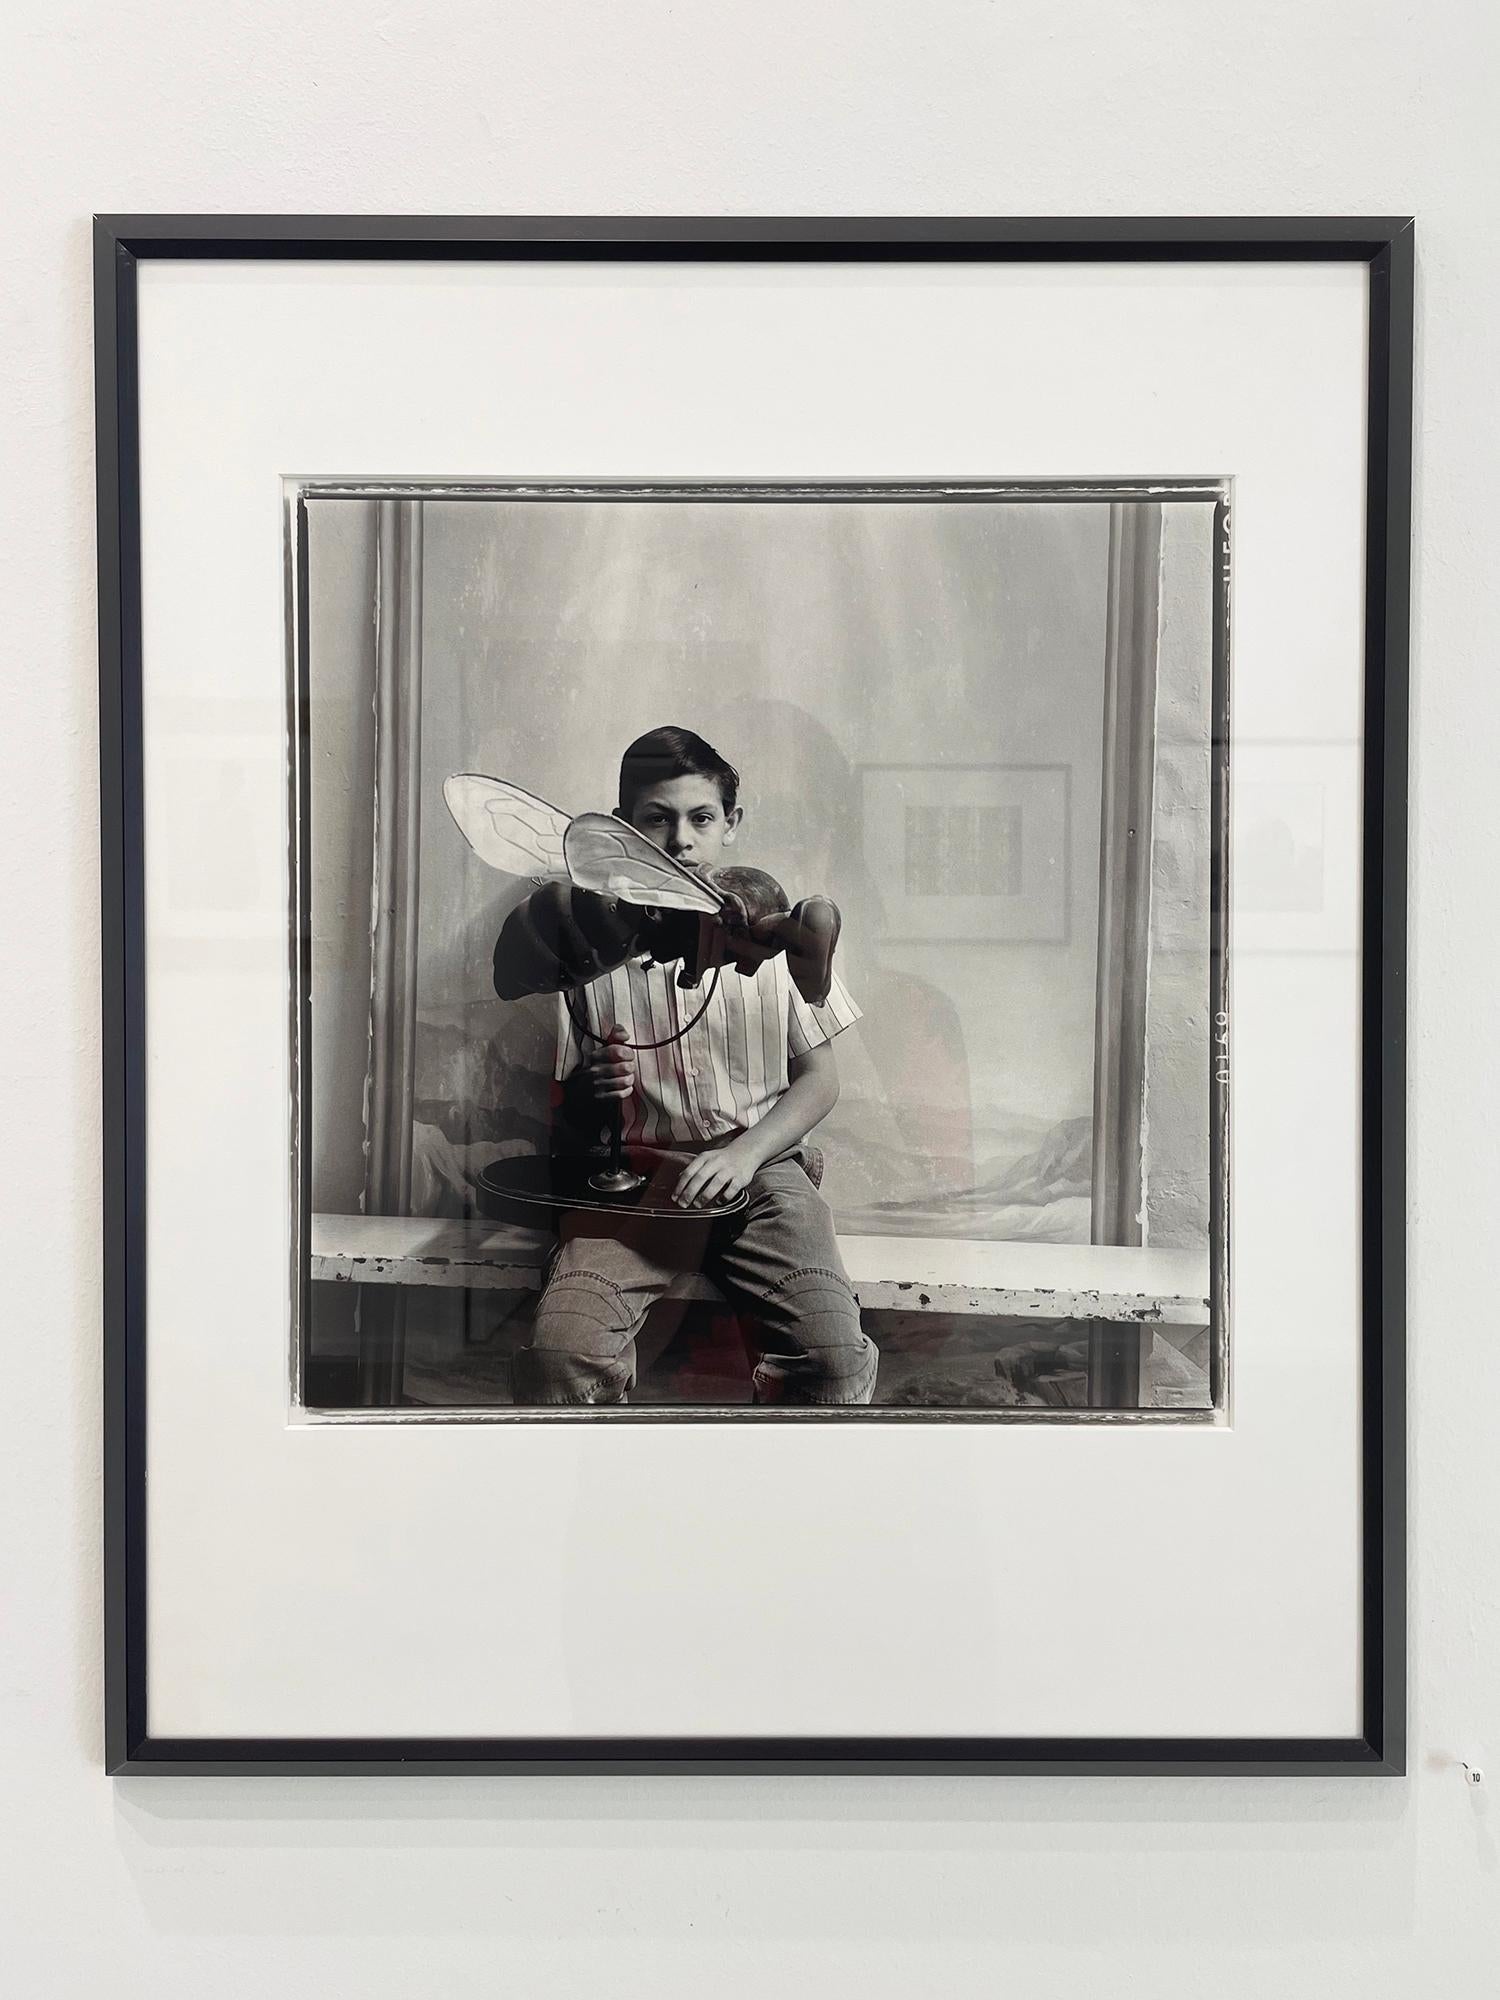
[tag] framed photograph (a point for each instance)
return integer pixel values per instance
(754, 947)
(972, 854)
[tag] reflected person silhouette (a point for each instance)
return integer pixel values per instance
(902, 1129)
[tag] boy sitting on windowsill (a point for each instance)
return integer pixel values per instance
(721, 1108)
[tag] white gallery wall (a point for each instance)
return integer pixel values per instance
(177, 1888)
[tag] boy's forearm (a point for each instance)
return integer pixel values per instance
(805, 1102)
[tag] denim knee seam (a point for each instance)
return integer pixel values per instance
(593, 1277)
(836, 1278)
(581, 1312)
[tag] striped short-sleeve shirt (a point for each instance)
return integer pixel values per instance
(730, 1067)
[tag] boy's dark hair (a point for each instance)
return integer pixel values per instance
(673, 753)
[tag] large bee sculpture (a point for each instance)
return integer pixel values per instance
(605, 894)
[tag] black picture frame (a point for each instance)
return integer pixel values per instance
(1385, 245)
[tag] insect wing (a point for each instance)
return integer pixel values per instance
(508, 828)
(607, 855)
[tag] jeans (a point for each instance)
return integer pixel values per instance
(776, 1261)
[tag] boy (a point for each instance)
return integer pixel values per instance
(720, 1108)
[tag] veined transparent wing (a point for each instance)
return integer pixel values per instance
(608, 855)
(508, 828)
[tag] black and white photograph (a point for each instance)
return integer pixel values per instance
(761, 947)
(757, 928)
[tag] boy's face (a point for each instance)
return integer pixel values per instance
(685, 817)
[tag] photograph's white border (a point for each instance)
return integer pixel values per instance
(806, 1579)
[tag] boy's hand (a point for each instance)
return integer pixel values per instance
(612, 1069)
(716, 1176)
